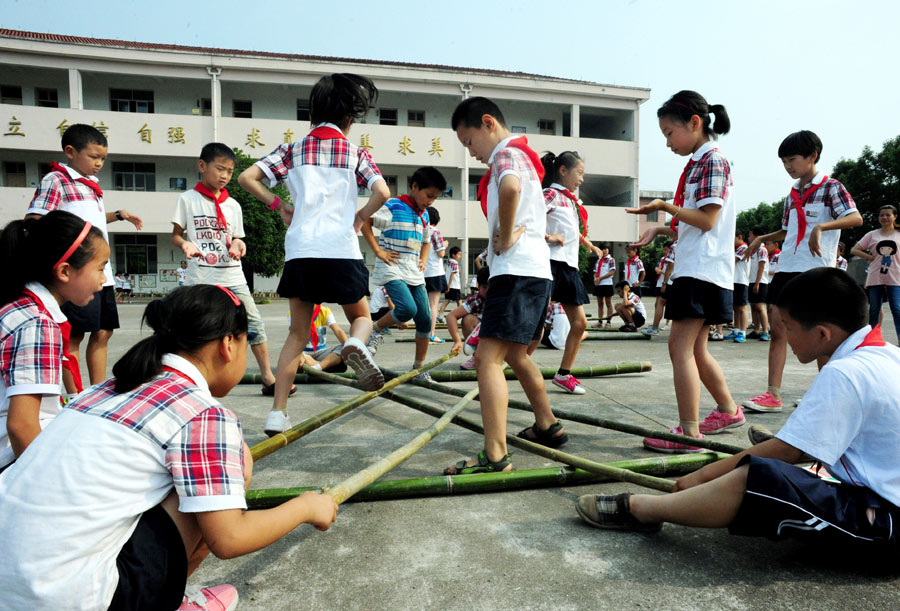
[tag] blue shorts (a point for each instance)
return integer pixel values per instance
(568, 289)
(693, 298)
(515, 308)
(341, 281)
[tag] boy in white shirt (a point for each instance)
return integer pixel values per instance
(453, 284)
(631, 309)
(634, 269)
(604, 270)
(759, 289)
(741, 289)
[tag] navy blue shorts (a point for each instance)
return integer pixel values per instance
(784, 501)
(693, 298)
(515, 308)
(739, 299)
(100, 313)
(603, 290)
(760, 295)
(436, 284)
(777, 283)
(341, 281)
(453, 295)
(568, 289)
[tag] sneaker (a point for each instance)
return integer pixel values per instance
(569, 384)
(765, 402)
(759, 434)
(360, 360)
(671, 447)
(607, 325)
(375, 342)
(664, 328)
(612, 512)
(434, 339)
(425, 376)
(717, 422)
(731, 335)
(472, 341)
(764, 337)
(740, 338)
(470, 364)
(715, 336)
(214, 598)
(628, 328)
(441, 320)
(651, 330)
(278, 421)
(386, 331)
(753, 335)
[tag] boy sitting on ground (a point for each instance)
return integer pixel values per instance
(631, 309)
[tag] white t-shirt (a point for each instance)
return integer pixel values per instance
(760, 256)
(850, 417)
(604, 265)
(196, 214)
(638, 304)
(126, 283)
(182, 275)
(530, 255)
(379, 299)
(119, 282)
(708, 255)
(633, 269)
(453, 273)
(562, 220)
(434, 264)
(559, 326)
(741, 267)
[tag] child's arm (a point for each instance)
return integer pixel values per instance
(651, 234)
(187, 247)
(854, 219)
(251, 180)
(112, 217)
(388, 256)
(339, 334)
(759, 274)
(703, 218)
(775, 236)
(773, 448)
(589, 244)
(507, 234)
(859, 251)
(237, 250)
(669, 267)
(23, 421)
(380, 194)
(453, 327)
(553, 238)
(390, 303)
(641, 275)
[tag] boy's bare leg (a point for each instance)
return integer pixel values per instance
(261, 353)
(625, 312)
(360, 319)
(292, 351)
(609, 306)
(658, 311)
(682, 340)
(434, 298)
(493, 394)
(712, 376)
(578, 325)
(777, 349)
(532, 382)
(385, 322)
(421, 349)
(714, 504)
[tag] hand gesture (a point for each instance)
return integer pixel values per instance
(131, 218)
(190, 250)
(814, 237)
(388, 256)
(648, 237)
(286, 211)
(237, 249)
(656, 204)
(501, 248)
(321, 509)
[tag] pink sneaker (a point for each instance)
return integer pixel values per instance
(470, 364)
(569, 384)
(215, 598)
(718, 421)
(671, 447)
(763, 403)
(472, 341)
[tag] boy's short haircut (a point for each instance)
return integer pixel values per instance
(211, 151)
(483, 276)
(427, 177)
(434, 217)
(454, 250)
(738, 233)
(668, 244)
(602, 245)
(621, 284)
(803, 143)
(758, 231)
(80, 135)
(825, 295)
(468, 113)
(631, 249)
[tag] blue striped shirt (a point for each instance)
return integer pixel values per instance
(402, 231)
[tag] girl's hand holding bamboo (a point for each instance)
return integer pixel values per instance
(321, 509)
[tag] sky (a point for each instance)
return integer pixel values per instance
(777, 67)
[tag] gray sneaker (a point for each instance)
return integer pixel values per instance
(425, 376)
(759, 434)
(375, 342)
(651, 330)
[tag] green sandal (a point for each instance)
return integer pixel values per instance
(485, 465)
(545, 437)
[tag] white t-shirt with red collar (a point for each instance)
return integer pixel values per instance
(562, 220)
(742, 273)
(604, 265)
(760, 256)
(633, 269)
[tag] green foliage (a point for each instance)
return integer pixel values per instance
(767, 216)
(264, 229)
(874, 181)
(583, 252)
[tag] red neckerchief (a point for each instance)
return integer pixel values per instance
(582, 211)
(70, 362)
(600, 265)
(313, 330)
(679, 193)
(628, 264)
(406, 199)
(520, 143)
(798, 203)
(180, 374)
(323, 132)
(223, 195)
(739, 247)
(55, 167)
(774, 254)
(873, 338)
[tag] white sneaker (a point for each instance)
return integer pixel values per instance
(471, 343)
(278, 421)
(375, 341)
(651, 330)
(470, 364)
(360, 360)
(424, 377)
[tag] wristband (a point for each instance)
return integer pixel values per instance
(275, 203)
(119, 215)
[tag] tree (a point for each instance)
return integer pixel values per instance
(767, 216)
(874, 181)
(264, 229)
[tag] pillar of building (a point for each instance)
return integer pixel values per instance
(576, 121)
(76, 96)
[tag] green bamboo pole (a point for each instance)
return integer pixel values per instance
(409, 340)
(459, 375)
(446, 485)
(264, 448)
(300, 378)
(618, 335)
(613, 425)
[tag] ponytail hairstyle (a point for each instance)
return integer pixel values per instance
(183, 321)
(31, 249)
(335, 98)
(552, 165)
(685, 104)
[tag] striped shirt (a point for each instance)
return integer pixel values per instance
(402, 231)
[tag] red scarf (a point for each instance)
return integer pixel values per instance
(679, 193)
(873, 338)
(223, 195)
(600, 265)
(180, 374)
(55, 167)
(520, 143)
(70, 362)
(313, 330)
(582, 211)
(629, 263)
(798, 203)
(774, 254)
(406, 199)
(324, 132)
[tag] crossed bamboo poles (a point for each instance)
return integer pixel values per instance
(584, 469)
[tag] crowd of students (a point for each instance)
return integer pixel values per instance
(161, 466)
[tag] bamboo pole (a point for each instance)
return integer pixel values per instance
(276, 442)
(459, 375)
(300, 378)
(613, 425)
(356, 482)
(409, 340)
(618, 335)
(446, 485)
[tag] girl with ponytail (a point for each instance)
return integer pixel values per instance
(158, 465)
(48, 261)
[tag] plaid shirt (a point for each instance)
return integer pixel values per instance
(30, 345)
(57, 189)
(474, 304)
(833, 195)
(712, 175)
(201, 440)
(335, 153)
(511, 159)
(437, 240)
(555, 309)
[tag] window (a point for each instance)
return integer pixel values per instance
(130, 100)
(10, 94)
(135, 254)
(205, 106)
(14, 173)
(43, 170)
(302, 110)
(518, 129)
(178, 184)
(46, 97)
(547, 127)
(387, 116)
(128, 176)
(416, 118)
(242, 109)
(392, 184)
(473, 186)
(653, 217)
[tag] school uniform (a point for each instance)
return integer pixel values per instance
(65, 189)
(474, 305)
(115, 457)
(703, 277)
(378, 304)
(760, 256)
(639, 315)
(453, 284)
(559, 326)
(849, 420)
(773, 265)
(563, 220)
(634, 267)
(821, 200)
(435, 279)
(181, 273)
(604, 265)
(741, 276)
(323, 173)
(841, 263)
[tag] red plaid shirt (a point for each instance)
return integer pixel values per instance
(712, 175)
(336, 153)
(56, 190)
(833, 195)
(30, 345)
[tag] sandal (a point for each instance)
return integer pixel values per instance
(612, 513)
(545, 437)
(268, 390)
(485, 465)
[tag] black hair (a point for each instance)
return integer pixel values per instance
(758, 231)
(211, 151)
(183, 321)
(468, 113)
(739, 233)
(427, 177)
(30, 248)
(80, 135)
(685, 104)
(622, 284)
(803, 143)
(341, 96)
(668, 244)
(889, 243)
(553, 163)
(454, 250)
(810, 299)
(602, 245)
(483, 276)
(434, 217)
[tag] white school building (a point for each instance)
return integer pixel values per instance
(158, 105)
